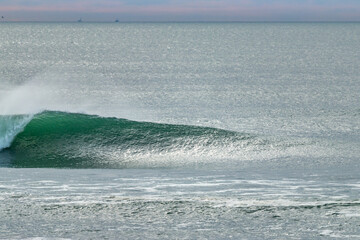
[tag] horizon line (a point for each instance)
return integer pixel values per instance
(182, 21)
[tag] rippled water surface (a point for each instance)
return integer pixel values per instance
(179, 131)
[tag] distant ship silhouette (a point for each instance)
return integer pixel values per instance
(80, 20)
(117, 20)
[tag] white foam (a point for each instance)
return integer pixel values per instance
(46, 238)
(10, 126)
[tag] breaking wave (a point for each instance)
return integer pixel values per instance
(73, 140)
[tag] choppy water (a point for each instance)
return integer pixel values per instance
(174, 130)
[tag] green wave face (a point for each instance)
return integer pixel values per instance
(69, 140)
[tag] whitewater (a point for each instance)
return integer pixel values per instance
(179, 130)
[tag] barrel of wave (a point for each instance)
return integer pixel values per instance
(10, 126)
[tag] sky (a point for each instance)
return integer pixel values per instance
(180, 10)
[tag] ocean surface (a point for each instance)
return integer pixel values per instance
(179, 131)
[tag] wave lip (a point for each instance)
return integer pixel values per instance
(73, 140)
(10, 126)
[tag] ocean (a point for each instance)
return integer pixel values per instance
(179, 131)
